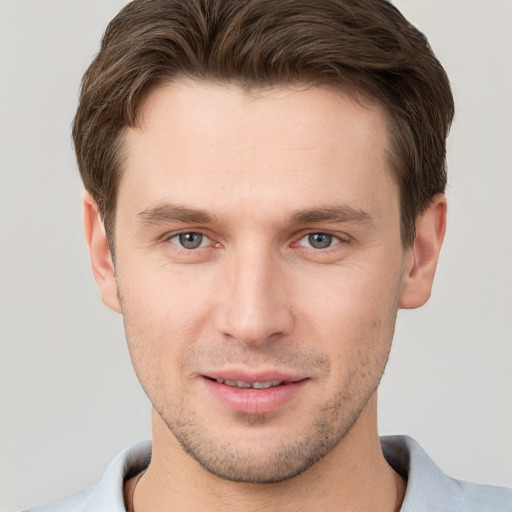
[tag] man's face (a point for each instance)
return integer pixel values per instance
(258, 241)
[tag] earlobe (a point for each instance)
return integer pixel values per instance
(99, 252)
(421, 259)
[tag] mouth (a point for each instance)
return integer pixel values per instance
(255, 394)
(252, 385)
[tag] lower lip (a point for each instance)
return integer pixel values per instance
(254, 401)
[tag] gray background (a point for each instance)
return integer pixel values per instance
(68, 398)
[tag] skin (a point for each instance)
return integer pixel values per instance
(269, 172)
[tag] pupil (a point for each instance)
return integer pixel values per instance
(320, 240)
(191, 240)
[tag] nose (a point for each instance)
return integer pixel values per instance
(255, 307)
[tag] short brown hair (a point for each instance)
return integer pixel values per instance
(360, 46)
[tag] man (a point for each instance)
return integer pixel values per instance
(264, 190)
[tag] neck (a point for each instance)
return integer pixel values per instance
(354, 476)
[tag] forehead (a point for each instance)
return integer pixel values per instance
(203, 141)
(252, 115)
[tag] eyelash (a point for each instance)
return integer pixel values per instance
(332, 238)
(189, 250)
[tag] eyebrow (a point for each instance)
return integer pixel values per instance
(341, 213)
(167, 213)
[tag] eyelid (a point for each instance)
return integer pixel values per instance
(170, 234)
(341, 238)
(168, 237)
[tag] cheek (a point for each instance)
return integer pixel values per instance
(164, 317)
(353, 317)
(165, 299)
(356, 299)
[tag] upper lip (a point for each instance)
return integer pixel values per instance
(253, 375)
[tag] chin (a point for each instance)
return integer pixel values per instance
(257, 453)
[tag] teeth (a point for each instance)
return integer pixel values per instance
(264, 385)
(254, 385)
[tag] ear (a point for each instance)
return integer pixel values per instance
(99, 252)
(421, 258)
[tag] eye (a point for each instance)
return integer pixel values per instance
(190, 240)
(319, 240)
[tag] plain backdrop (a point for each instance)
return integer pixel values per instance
(69, 400)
